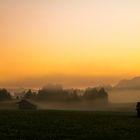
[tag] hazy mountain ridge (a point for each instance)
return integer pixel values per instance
(129, 84)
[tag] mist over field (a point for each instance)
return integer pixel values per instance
(124, 96)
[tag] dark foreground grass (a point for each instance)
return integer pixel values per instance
(59, 125)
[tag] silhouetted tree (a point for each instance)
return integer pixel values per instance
(5, 95)
(103, 95)
(73, 95)
(52, 93)
(97, 96)
(90, 94)
(17, 97)
(29, 94)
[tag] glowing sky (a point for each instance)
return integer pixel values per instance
(97, 38)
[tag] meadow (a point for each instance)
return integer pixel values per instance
(52, 124)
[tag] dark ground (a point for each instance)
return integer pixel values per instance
(59, 125)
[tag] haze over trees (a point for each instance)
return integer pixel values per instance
(96, 95)
(56, 93)
(52, 93)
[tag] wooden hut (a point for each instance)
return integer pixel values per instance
(26, 105)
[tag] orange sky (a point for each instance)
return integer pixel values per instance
(82, 38)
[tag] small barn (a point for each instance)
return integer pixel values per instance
(26, 105)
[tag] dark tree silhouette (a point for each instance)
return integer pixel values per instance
(5, 95)
(53, 93)
(90, 94)
(29, 94)
(103, 95)
(73, 95)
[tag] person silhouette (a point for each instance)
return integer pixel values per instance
(138, 109)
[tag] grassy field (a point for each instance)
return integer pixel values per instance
(38, 125)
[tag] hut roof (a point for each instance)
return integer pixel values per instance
(25, 104)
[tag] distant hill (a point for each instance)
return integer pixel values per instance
(129, 84)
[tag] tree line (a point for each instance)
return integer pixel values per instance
(56, 93)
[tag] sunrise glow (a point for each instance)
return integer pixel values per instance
(83, 38)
